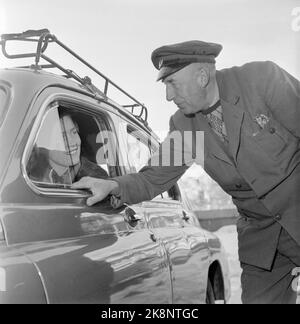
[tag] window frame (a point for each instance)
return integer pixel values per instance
(7, 88)
(67, 101)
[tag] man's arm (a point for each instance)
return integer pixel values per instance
(163, 171)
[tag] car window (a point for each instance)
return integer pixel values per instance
(67, 148)
(4, 102)
(138, 150)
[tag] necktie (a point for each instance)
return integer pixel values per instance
(63, 179)
(214, 117)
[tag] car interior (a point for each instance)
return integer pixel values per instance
(51, 148)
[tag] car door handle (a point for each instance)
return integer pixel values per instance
(131, 217)
(185, 216)
(153, 237)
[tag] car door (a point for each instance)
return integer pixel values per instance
(136, 151)
(83, 254)
(164, 220)
(198, 241)
(165, 215)
(185, 244)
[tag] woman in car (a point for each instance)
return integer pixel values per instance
(63, 166)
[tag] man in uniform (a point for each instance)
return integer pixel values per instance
(250, 118)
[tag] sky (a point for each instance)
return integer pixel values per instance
(118, 36)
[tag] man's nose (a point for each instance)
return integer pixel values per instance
(169, 93)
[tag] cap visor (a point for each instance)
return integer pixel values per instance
(165, 71)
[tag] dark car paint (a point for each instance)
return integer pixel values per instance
(19, 278)
(61, 251)
(187, 249)
(107, 268)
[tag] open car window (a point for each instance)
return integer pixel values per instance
(138, 150)
(66, 149)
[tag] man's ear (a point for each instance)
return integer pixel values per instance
(202, 77)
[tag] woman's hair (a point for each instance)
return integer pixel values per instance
(62, 112)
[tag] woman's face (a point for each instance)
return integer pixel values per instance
(72, 142)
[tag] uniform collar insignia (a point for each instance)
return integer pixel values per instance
(261, 120)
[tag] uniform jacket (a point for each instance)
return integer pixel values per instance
(261, 107)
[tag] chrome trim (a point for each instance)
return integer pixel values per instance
(3, 118)
(43, 282)
(2, 233)
(8, 89)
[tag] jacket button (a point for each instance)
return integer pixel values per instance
(272, 130)
(278, 217)
(238, 186)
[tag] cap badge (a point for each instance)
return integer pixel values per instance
(160, 63)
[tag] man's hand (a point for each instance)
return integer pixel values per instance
(99, 188)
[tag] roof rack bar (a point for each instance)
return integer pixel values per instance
(143, 110)
(43, 37)
(25, 35)
(41, 47)
(43, 66)
(94, 69)
(66, 71)
(22, 37)
(86, 81)
(106, 87)
(146, 114)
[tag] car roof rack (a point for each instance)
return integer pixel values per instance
(43, 37)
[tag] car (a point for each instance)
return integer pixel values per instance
(56, 249)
